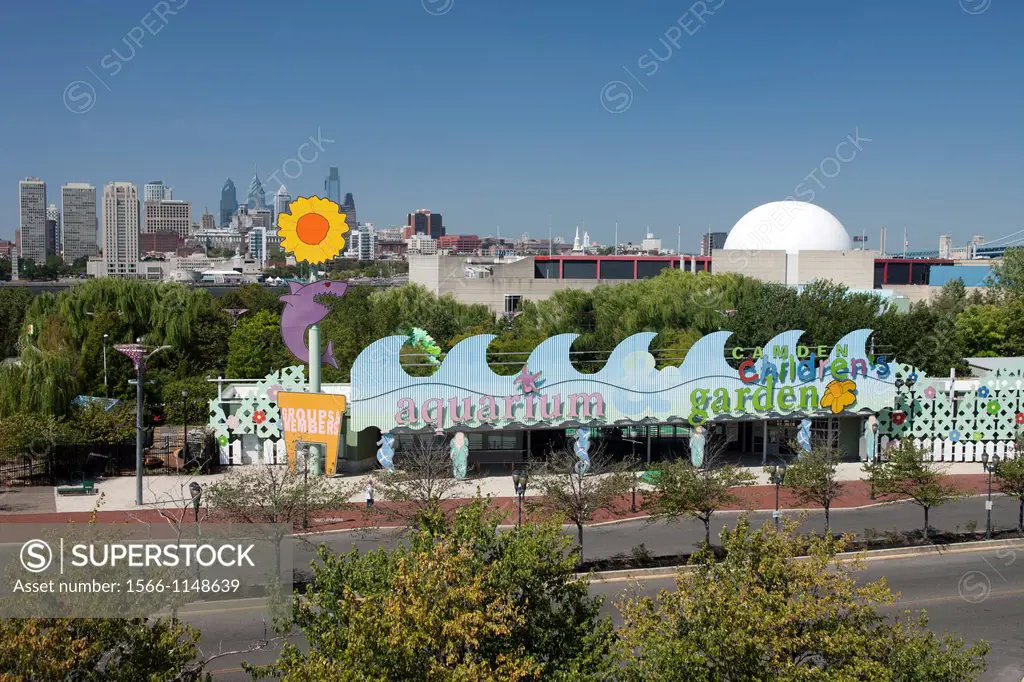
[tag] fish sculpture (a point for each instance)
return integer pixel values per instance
(301, 311)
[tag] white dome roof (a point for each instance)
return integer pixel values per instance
(789, 226)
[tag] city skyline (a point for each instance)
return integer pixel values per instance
(725, 112)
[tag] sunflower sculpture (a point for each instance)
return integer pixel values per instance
(313, 229)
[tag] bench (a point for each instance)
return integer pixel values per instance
(86, 488)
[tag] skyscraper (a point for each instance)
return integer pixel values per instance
(78, 235)
(348, 207)
(332, 186)
(256, 197)
(423, 222)
(167, 215)
(32, 219)
(281, 201)
(157, 191)
(121, 229)
(52, 230)
(228, 202)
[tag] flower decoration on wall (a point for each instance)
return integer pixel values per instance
(313, 229)
(954, 435)
(983, 392)
(839, 395)
(259, 416)
(929, 392)
(232, 422)
(992, 407)
(1019, 418)
(912, 377)
(222, 440)
(898, 418)
(979, 436)
(272, 392)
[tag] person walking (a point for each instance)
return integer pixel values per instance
(369, 494)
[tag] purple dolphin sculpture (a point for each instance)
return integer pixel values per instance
(301, 312)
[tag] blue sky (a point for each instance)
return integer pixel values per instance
(495, 112)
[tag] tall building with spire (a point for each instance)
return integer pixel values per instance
(228, 202)
(576, 245)
(256, 197)
(332, 185)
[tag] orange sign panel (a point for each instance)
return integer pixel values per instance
(312, 418)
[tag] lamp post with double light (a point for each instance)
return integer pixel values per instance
(776, 475)
(519, 479)
(989, 464)
(138, 354)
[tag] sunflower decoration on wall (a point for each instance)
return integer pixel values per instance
(313, 229)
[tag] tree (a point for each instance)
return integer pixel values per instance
(274, 494)
(1007, 275)
(905, 473)
(251, 297)
(461, 602)
(13, 302)
(680, 489)
(812, 478)
(422, 479)
(256, 348)
(1009, 475)
(107, 650)
(564, 489)
(759, 614)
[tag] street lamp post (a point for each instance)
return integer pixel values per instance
(106, 386)
(989, 464)
(184, 427)
(519, 478)
(777, 474)
(136, 352)
(306, 453)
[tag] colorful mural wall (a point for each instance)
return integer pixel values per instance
(465, 392)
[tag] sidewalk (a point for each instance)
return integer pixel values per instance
(170, 493)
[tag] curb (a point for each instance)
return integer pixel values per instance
(629, 574)
(646, 517)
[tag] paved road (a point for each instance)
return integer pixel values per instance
(993, 584)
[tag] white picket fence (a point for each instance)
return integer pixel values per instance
(247, 450)
(960, 451)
